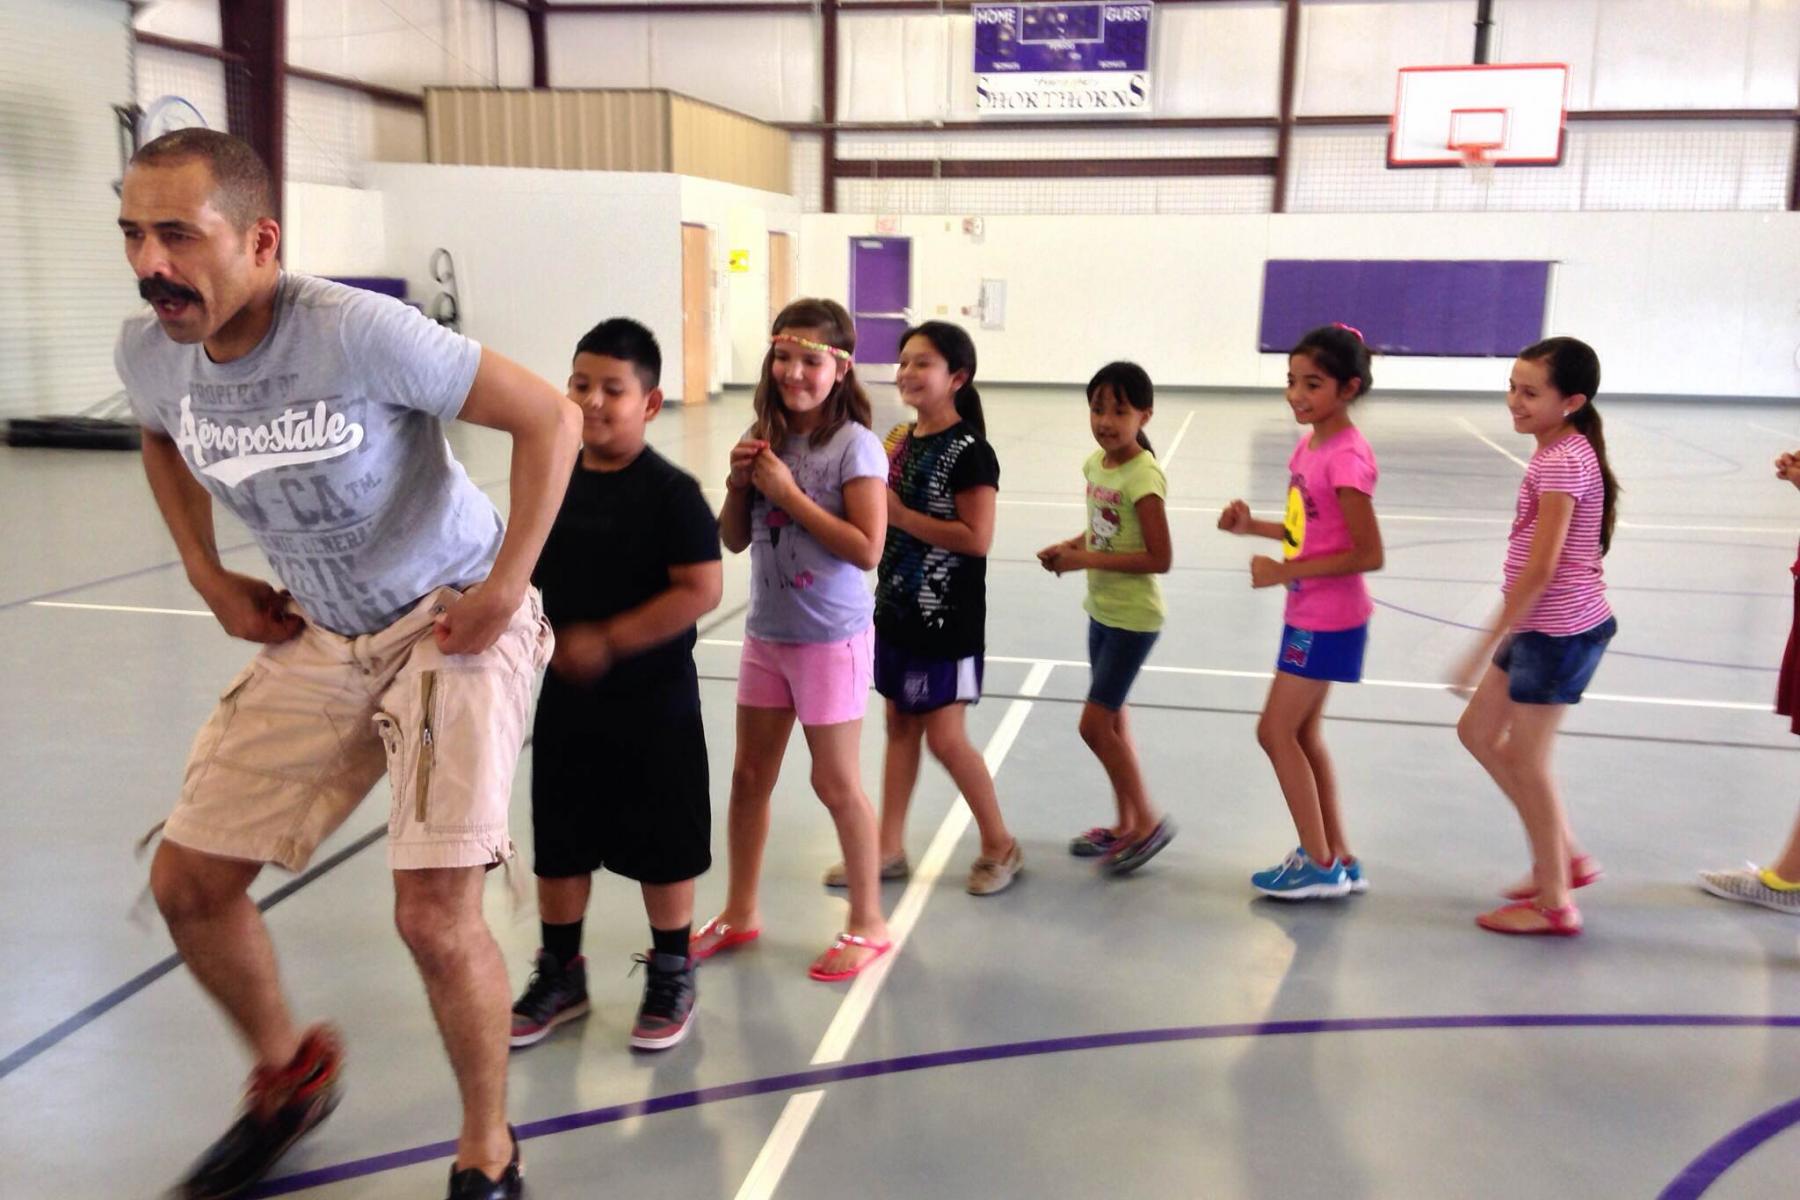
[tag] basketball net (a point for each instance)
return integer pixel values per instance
(1477, 159)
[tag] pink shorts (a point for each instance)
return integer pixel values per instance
(825, 683)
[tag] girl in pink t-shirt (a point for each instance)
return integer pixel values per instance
(1553, 628)
(1329, 539)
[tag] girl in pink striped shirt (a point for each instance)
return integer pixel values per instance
(1552, 628)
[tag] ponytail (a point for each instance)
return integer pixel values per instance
(1144, 441)
(1586, 421)
(968, 407)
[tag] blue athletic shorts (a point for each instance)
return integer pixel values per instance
(1336, 657)
(1542, 669)
(1114, 658)
(917, 684)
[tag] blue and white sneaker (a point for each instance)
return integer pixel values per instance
(1353, 869)
(1300, 878)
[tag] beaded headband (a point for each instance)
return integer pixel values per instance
(804, 344)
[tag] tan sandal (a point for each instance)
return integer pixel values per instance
(892, 869)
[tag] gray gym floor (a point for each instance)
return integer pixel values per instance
(1163, 1035)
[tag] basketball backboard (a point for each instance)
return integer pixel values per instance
(1504, 114)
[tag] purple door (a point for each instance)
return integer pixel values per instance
(880, 294)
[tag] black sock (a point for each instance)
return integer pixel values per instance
(670, 941)
(563, 941)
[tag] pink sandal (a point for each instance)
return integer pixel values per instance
(716, 935)
(845, 941)
(1583, 870)
(1552, 922)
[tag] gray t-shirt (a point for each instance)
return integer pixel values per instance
(327, 440)
(800, 591)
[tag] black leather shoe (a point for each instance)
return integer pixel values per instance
(471, 1184)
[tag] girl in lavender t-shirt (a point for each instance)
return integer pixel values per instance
(1552, 629)
(1329, 538)
(807, 495)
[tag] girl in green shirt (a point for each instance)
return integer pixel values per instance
(1124, 548)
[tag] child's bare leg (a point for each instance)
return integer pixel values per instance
(899, 775)
(1291, 700)
(1312, 744)
(837, 780)
(762, 736)
(1108, 735)
(1528, 748)
(1788, 865)
(947, 735)
(1488, 730)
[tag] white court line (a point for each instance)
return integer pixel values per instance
(1423, 518)
(778, 1151)
(1208, 672)
(1407, 684)
(1441, 520)
(1496, 447)
(130, 608)
(1783, 434)
(1175, 445)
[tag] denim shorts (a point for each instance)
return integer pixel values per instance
(1114, 658)
(1542, 669)
(1335, 656)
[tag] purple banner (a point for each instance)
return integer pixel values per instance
(1062, 58)
(1423, 307)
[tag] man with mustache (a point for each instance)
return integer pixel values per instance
(404, 640)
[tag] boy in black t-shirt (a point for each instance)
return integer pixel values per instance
(619, 771)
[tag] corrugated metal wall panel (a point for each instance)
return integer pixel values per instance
(67, 285)
(604, 130)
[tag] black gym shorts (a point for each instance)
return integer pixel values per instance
(624, 787)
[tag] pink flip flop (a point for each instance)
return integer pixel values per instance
(1550, 922)
(716, 935)
(1583, 870)
(845, 940)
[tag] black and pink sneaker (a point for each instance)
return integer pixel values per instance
(556, 992)
(667, 1012)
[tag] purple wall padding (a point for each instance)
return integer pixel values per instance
(1450, 308)
(374, 283)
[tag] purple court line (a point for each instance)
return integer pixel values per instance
(1725, 1153)
(1685, 662)
(676, 1101)
(137, 983)
(143, 979)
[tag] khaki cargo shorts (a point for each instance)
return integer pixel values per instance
(303, 733)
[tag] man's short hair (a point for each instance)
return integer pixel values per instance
(243, 188)
(628, 341)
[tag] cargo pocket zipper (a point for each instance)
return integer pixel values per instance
(427, 743)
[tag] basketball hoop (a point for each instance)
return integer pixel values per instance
(1478, 160)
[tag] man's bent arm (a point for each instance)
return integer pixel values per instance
(546, 434)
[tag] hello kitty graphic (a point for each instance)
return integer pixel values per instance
(1105, 527)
